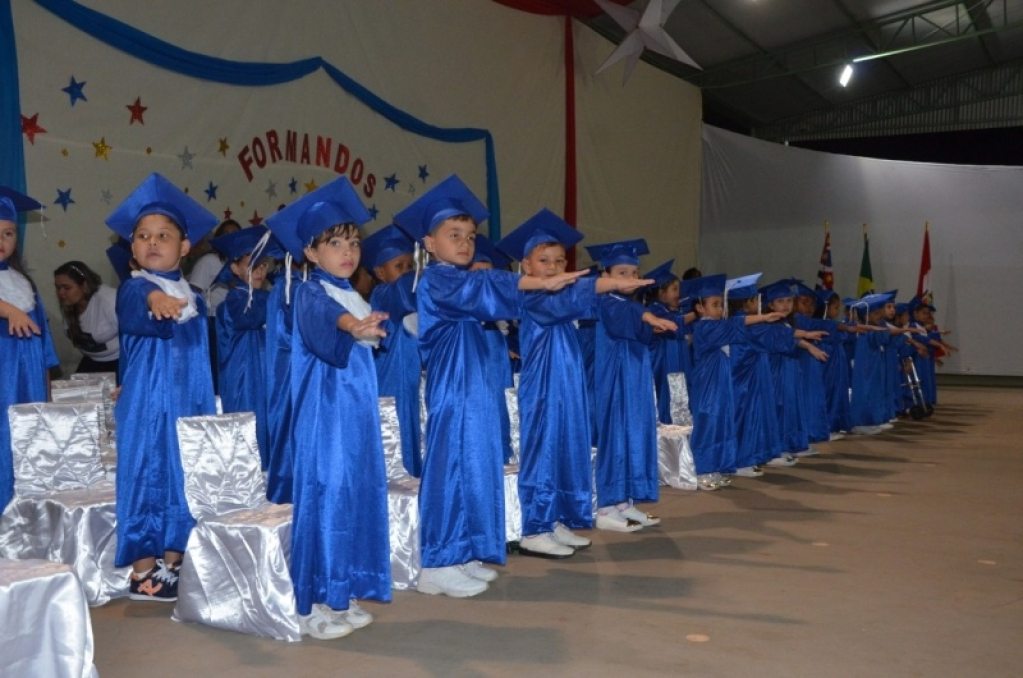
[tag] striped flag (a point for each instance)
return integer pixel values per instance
(866, 284)
(825, 276)
(923, 282)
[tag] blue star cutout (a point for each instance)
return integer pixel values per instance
(423, 173)
(392, 182)
(211, 192)
(293, 186)
(64, 198)
(74, 90)
(373, 211)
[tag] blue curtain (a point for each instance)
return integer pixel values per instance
(12, 153)
(159, 53)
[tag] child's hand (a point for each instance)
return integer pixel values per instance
(659, 324)
(815, 335)
(513, 355)
(772, 317)
(817, 353)
(366, 329)
(165, 307)
(20, 325)
(630, 286)
(562, 280)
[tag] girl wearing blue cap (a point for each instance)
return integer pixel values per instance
(670, 351)
(339, 534)
(811, 370)
(868, 407)
(836, 369)
(26, 350)
(165, 375)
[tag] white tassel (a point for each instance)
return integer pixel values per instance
(417, 259)
(257, 254)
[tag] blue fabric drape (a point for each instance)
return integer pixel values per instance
(12, 159)
(165, 55)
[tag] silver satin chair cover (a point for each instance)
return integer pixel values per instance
(512, 505)
(45, 629)
(63, 509)
(675, 463)
(235, 570)
(402, 502)
(511, 401)
(679, 393)
(93, 388)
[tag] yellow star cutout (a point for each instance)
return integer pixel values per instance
(64, 152)
(149, 150)
(61, 244)
(242, 203)
(311, 186)
(101, 148)
(223, 147)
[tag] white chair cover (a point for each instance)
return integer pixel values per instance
(235, 572)
(45, 629)
(390, 433)
(675, 463)
(63, 509)
(511, 401)
(93, 388)
(680, 413)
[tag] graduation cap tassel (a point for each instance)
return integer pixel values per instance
(417, 259)
(287, 278)
(257, 254)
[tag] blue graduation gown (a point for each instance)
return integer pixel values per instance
(713, 403)
(280, 318)
(399, 367)
(666, 355)
(241, 358)
(626, 415)
(339, 535)
(868, 404)
(166, 376)
(461, 498)
(499, 372)
(555, 470)
(811, 374)
(836, 378)
(758, 438)
(23, 366)
(586, 333)
(788, 395)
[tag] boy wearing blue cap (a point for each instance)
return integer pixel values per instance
(241, 330)
(669, 351)
(811, 370)
(388, 255)
(461, 498)
(555, 471)
(625, 411)
(836, 369)
(165, 375)
(339, 535)
(868, 407)
(26, 350)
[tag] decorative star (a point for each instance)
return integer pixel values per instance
(61, 244)
(411, 189)
(74, 90)
(392, 182)
(102, 149)
(106, 196)
(271, 190)
(149, 150)
(186, 159)
(137, 109)
(256, 220)
(223, 147)
(373, 211)
(644, 31)
(64, 152)
(311, 186)
(423, 173)
(30, 128)
(227, 214)
(293, 186)
(211, 192)
(64, 198)
(242, 203)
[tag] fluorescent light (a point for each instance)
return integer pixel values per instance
(846, 76)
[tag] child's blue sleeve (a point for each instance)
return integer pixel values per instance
(773, 337)
(133, 316)
(243, 319)
(49, 354)
(575, 302)
(486, 295)
(711, 335)
(676, 317)
(316, 317)
(397, 298)
(623, 319)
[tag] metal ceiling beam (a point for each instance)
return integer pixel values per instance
(992, 97)
(898, 33)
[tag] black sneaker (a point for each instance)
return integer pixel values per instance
(159, 584)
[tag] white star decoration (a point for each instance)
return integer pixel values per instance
(644, 31)
(186, 159)
(271, 190)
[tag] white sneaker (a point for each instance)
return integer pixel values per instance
(808, 452)
(865, 430)
(749, 472)
(476, 570)
(836, 436)
(544, 545)
(785, 459)
(356, 615)
(614, 521)
(886, 427)
(708, 481)
(451, 581)
(644, 519)
(324, 624)
(570, 538)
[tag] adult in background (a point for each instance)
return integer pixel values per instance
(203, 278)
(90, 316)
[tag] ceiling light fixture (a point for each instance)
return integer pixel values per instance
(846, 76)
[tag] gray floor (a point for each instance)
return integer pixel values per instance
(898, 555)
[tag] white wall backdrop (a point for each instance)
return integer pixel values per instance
(764, 206)
(451, 63)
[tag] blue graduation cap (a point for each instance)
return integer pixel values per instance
(874, 301)
(236, 245)
(12, 202)
(621, 252)
(298, 224)
(485, 251)
(661, 275)
(450, 198)
(157, 195)
(742, 288)
(917, 302)
(120, 256)
(274, 249)
(901, 308)
(541, 228)
(824, 296)
(707, 286)
(802, 289)
(894, 294)
(781, 289)
(384, 245)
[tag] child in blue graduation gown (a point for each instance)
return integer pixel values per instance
(165, 375)
(811, 370)
(668, 348)
(461, 498)
(241, 331)
(555, 469)
(339, 537)
(388, 255)
(26, 350)
(626, 414)
(836, 369)
(868, 407)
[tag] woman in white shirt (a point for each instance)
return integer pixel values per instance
(90, 316)
(203, 277)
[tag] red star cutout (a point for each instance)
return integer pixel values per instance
(227, 214)
(137, 109)
(30, 128)
(256, 220)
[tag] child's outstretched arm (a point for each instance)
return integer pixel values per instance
(163, 306)
(629, 286)
(18, 322)
(659, 324)
(812, 335)
(772, 317)
(814, 351)
(366, 329)
(528, 283)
